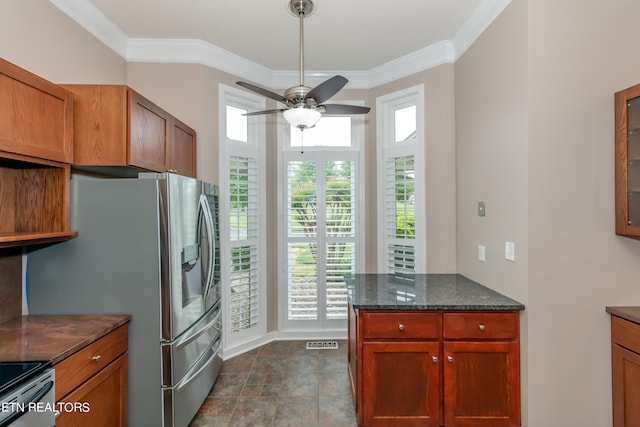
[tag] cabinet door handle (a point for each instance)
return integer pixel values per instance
(96, 358)
(401, 327)
(450, 359)
(434, 359)
(482, 327)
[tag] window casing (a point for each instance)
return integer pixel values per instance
(242, 190)
(401, 200)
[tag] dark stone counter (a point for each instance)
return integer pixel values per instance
(53, 337)
(423, 292)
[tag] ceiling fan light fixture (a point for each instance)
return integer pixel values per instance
(302, 118)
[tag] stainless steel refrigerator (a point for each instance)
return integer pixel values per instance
(149, 247)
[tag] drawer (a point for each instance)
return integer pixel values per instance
(625, 333)
(76, 369)
(397, 325)
(483, 325)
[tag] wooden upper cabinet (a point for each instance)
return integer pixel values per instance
(182, 156)
(117, 127)
(36, 149)
(35, 116)
(627, 161)
(149, 134)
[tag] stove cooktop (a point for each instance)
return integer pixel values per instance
(12, 373)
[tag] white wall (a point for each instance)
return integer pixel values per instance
(533, 139)
(38, 37)
(580, 53)
(566, 59)
(491, 162)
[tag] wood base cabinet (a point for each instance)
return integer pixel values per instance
(625, 370)
(435, 368)
(117, 130)
(481, 386)
(401, 384)
(91, 385)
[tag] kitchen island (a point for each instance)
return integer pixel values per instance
(433, 350)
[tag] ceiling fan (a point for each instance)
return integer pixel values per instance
(305, 105)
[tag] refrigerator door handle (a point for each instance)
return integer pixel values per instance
(206, 214)
(190, 378)
(186, 340)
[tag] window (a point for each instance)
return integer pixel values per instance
(320, 183)
(401, 202)
(242, 197)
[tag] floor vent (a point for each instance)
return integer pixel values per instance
(322, 345)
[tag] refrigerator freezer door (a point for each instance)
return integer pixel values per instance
(179, 356)
(181, 402)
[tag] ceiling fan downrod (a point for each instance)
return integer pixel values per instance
(301, 9)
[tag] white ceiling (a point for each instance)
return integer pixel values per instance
(341, 35)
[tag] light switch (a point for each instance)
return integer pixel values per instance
(509, 251)
(481, 209)
(481, 253)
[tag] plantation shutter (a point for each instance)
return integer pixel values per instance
(302, 247)
(340, 196)
(243, 234)
(399, 214)
(321, 237)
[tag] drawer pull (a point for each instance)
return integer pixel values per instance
(482, 327)
(96, 358)
(434, 359)
(401, 327)
(450, 359)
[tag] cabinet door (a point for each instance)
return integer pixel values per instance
(149, 128)
(104, 396)
(626, 393)
(627, 161)
(401, 384)
(36, 116)
(481, 384)
(182, 155)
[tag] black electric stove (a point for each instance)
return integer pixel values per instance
(12, 373)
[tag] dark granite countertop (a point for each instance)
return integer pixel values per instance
(53, 337)
(424, 292)
(630, 313)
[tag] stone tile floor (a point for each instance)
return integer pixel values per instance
(281, 384)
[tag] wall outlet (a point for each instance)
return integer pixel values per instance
(481, 253)
(509, 251)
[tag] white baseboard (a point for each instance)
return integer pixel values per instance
(239, 349)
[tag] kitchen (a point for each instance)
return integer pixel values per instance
(524, 121)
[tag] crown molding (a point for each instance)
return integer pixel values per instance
(201, 52)
(197, 52)
(420, 60)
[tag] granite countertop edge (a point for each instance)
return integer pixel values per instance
(54, 337)
(411, 292)
(440, 307)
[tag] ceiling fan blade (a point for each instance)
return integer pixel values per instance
(344, 109)
(327, 89)
(263, 92)
(258, 113)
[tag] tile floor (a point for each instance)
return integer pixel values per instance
(281, 384)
